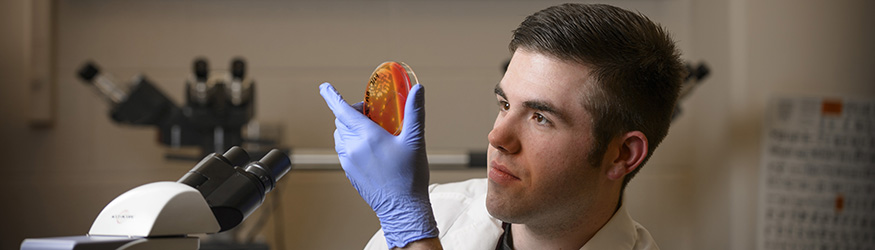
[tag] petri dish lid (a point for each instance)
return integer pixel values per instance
(386, 94)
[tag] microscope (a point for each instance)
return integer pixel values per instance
(214, 196)
(215, 111)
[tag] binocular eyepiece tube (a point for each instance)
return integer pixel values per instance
(234, 188)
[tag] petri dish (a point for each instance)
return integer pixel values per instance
(386, 94)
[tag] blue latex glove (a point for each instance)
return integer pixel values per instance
(390, 172)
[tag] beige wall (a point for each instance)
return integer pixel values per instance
(698, 192)
(761, 49)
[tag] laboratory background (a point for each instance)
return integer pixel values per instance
(714, 183)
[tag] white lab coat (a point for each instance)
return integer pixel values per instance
(464, 223)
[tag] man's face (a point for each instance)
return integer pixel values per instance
(538, 165)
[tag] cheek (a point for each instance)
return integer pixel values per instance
(561, 158)
(568, 177)
(559, 146)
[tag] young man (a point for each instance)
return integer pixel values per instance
(586, 99)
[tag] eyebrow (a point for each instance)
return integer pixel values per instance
(499, 91)
(546, 107)
(536, 105)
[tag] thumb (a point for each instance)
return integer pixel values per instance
(345, 114)
(414, 113)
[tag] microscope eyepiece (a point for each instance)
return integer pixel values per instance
(236, 156)
(273, 166)
(91, 75)
(238, 68)
(232, 190)
(201, 69)
(88, 71)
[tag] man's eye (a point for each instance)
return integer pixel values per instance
(503, 105)
(541, 119)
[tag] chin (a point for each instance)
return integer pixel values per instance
(499, 207)
(496, 211)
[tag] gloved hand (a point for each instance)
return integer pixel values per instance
(390, 172)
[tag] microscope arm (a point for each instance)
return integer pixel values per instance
(156, 209)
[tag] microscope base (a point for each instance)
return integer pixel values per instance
(85, 242)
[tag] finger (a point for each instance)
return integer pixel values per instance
(338, 106)
(339, 125)
(342, 155)
(414, 112)
(338, 144)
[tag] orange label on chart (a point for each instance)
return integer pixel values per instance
(831, 107)
(386, 95)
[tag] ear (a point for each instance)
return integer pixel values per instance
(632, 148)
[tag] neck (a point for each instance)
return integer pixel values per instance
(571, 233)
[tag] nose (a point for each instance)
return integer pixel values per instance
(504, 137)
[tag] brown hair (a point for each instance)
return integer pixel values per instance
(635, 66)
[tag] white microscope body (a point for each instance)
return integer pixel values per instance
(156, 209)
(216, 195)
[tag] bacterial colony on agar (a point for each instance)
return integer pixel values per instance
(386, 94)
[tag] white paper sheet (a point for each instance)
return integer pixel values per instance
(817, 177)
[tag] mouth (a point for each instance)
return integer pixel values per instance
(500, 174)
